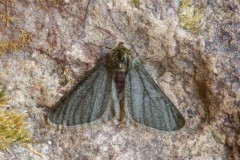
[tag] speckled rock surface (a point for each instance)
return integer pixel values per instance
(199, 72)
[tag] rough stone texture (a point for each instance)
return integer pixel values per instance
(198, 71)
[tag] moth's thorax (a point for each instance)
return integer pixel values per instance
(118, 63)
(119, 59)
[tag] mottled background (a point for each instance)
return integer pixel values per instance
(191, 49)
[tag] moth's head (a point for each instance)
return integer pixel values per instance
(119, 58)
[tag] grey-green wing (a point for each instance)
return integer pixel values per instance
(89, 101)
(147, 104)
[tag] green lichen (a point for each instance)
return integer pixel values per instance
(206, 114)
(6, 19)
(3, 99)
(190, 17)
(12, 125)
(12, 129)
(14, 45)
(67, 76)
(136, 3)
(5, 16)
(46, 4)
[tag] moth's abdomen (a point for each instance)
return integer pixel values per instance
(119, 79)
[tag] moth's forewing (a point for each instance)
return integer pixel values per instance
(87, 102)
(147, 104)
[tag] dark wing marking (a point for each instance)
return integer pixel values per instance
(147, 104)
(89, 101)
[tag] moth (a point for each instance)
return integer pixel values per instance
(118, 87)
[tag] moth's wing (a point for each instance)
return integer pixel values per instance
(90, 100)
(147, 104)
